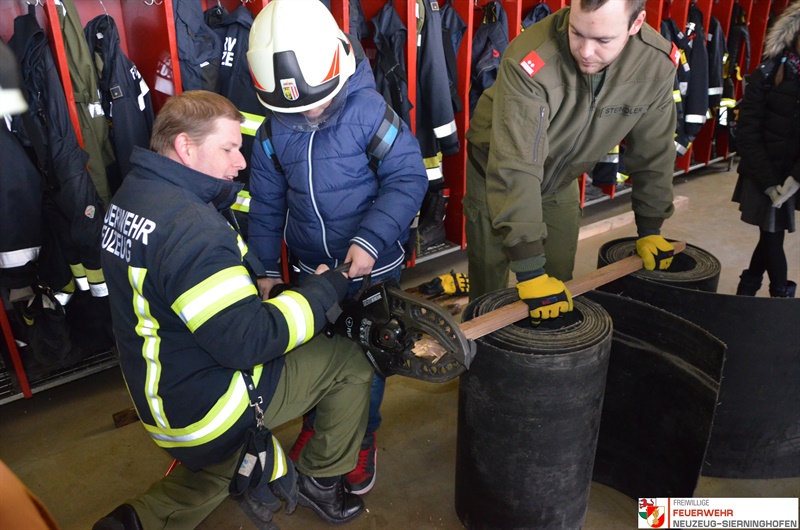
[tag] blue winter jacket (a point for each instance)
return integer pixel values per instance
(326, 197)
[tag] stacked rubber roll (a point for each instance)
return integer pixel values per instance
(756, 423)
(694, 268)
(528, 420)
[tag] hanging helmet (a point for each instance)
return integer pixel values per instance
(298, 56)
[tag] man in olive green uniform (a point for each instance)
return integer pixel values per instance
(568, 90)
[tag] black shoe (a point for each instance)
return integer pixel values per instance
(788, 290)
(333, 504)
(122, 518)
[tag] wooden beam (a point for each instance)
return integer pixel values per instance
(514, 312)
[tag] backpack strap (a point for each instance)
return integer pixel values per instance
(266, 143)
(379, 146)
(382, 142)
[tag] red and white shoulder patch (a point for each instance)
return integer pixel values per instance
(675, 54)
(532, 63)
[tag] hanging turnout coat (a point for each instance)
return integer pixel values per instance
(488, 45)
(123, 92)
(390, 36)
(73, 210)
(94, 127)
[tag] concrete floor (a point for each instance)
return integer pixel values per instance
(62, 442)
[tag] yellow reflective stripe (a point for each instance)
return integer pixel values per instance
(242, 203)
(433, 166)
(298, 315)
(212, 295)
(79, 273)
(251, 123)
(228, 408)
(77, 270)
(70, 287)
(279, 468)
(241, 244)
(95, 275)
(147, 327)
(676, 96)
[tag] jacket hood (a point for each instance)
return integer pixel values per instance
(783, 32)
(240, 15)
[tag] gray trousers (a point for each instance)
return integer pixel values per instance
(488, 261)
(333, 374)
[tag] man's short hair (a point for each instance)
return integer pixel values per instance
(634, 7)
(192, 113)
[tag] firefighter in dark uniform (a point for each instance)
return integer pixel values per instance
(194, 335)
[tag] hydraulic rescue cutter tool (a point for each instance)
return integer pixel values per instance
(387, 322)
(406, 335)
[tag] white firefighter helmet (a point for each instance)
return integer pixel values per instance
(298, 56)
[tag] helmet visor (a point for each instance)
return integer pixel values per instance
(310, 121)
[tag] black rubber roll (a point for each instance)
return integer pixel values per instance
(661, 393)
(756, 430)
(528, 419)
(694, 268)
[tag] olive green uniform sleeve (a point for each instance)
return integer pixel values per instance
(518, 149)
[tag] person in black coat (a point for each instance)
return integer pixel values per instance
(768, 141)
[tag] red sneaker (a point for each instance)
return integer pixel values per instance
(306, 432)
(362, 478)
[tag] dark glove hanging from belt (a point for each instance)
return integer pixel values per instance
(263, 474)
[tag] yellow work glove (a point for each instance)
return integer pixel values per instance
(655, 251)
(546, 297)
(451, 283)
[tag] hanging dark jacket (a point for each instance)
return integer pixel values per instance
(717, 51)
(75, 211)
(738, 48)
(488, 45)
(682, 141)
(20, 213)
(436, 126)
(390, 36)
(235, 82)
(199, 48)
(692, 78)
(453, 29)
(535, 14)
(700, 66)
(123, 92)
(93, 122)
(358, 22)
